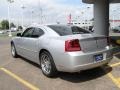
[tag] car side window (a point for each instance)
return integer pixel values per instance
(28, 32)
(37, 33)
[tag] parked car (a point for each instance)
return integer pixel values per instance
(116, 29)
(3, 31)
(66, 48)
(13, 29)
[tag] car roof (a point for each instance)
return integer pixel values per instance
(46, 25)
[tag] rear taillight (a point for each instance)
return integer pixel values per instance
(72, 45)
(108, 41)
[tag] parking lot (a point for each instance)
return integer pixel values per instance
(21, 74)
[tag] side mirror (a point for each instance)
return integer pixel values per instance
(19, 34)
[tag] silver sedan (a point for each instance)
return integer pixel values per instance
(65, 48)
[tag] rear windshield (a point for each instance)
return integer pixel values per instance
(68, 30)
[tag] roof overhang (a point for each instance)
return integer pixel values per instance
(92, 1)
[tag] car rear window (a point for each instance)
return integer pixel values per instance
(68, 30)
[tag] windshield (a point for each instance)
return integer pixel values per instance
(68, 30)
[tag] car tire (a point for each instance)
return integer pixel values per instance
(47, 64)
(13, 51)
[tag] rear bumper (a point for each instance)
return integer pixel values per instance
(75, 62)
(78, 68)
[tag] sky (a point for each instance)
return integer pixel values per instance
(51, 11)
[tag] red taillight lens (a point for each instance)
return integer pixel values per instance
(108, 40)
(72, 45)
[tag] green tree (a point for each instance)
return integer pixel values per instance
(12, 25)
(4, 24)
(0, 26)
(20, 27)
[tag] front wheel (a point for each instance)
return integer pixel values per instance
(47, 64)
(13, 51)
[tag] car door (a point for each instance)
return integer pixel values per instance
(24, 43)
(34, 46)
(19, 42)
(30, 43)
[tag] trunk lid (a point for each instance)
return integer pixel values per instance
(93, 44)
(89, 42)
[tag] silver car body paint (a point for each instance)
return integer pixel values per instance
(91, 45)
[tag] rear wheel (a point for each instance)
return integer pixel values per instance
(47, 64)
(13, 51)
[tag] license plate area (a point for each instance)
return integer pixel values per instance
(98, 57)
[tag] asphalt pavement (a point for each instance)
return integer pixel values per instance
(21, 74)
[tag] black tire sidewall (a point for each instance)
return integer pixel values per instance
(15, 56)
(53, 70)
